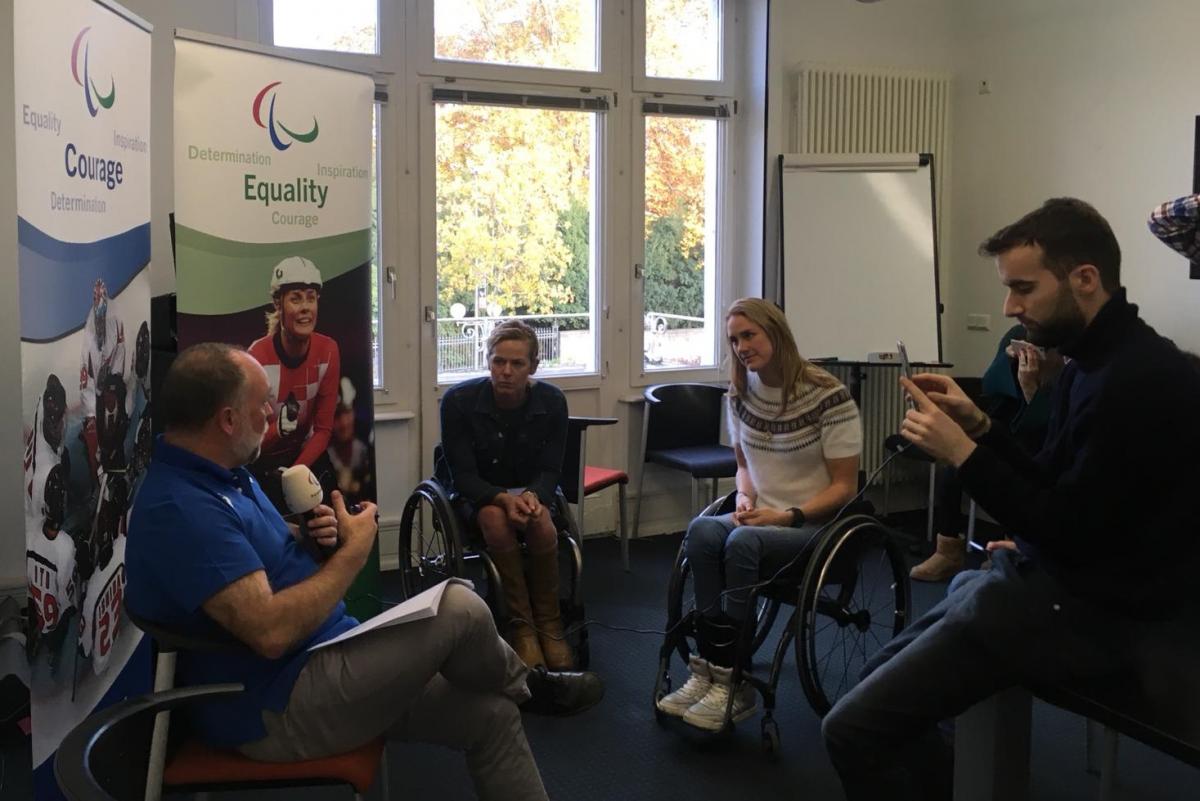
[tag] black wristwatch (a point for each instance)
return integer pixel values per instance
(797, 517)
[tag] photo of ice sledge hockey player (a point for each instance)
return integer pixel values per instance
(102, 355)
(50, 551)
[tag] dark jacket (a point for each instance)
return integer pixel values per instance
(484, 457)
(1107, 506)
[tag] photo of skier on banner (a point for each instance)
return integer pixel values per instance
(303, 369)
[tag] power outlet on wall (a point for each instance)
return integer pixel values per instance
(979, 322)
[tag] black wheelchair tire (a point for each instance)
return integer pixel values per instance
(435, 558)
(841, 555)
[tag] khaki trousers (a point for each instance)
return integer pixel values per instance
(448, 680)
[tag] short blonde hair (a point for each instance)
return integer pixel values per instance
(517, 331)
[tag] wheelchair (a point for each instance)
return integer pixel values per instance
(850, 594)
(435, 544)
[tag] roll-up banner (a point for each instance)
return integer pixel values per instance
(82, 86)
(273, 244)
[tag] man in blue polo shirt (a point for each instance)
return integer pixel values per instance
(208, 552)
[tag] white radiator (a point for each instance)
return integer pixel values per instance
(842, 109)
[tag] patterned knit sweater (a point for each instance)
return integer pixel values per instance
(786, 450)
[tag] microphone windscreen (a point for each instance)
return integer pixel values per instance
(301, 490)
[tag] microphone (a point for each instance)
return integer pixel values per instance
(302, 493)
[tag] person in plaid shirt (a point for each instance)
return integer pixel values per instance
(1177, 224)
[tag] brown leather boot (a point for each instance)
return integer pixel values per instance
(522, 638)
(543, 594)
(946, 562)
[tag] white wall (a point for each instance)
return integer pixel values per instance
(1091, 98)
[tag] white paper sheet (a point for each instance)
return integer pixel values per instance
(417, 607)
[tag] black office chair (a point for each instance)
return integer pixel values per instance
(173, 762)
(681, 430)
(107, 755)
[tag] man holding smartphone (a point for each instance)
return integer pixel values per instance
(1102, 516)
(1015, 392)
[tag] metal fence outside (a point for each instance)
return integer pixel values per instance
(462, 345)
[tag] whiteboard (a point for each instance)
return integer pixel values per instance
(860, 255)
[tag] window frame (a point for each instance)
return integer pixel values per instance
(422, 44)
(601, 161)
(640, 376)
(406, 68)
(722, 87)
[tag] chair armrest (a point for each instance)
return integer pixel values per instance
(584, 422)
(112, 735)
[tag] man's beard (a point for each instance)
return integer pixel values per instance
(1064, 325)
(251, 449)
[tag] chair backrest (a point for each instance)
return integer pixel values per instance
(683, 415)
(571, 477)
(167, 640)
(441, 468)
(106, 756)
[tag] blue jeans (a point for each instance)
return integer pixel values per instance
(999, 628)
(725, 555)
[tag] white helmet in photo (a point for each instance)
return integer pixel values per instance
(294, 270)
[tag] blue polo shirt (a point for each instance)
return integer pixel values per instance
(196, 528)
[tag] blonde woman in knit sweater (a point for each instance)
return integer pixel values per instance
(797, 437)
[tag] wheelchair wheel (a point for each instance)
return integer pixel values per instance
(430, 549)
(854, 598)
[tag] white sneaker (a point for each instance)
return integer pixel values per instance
(709, 712)
(694, 689)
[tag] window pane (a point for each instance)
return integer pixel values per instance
(680, 267)
(348, 26)
(559, 34)
(515, 223)
(683, 39)
(376, 253)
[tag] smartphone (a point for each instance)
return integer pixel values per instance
(904, 363)
(1019, 344)
(906, 369)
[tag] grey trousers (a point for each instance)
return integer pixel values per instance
(448, 680)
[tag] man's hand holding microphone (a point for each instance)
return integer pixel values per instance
(329, 528)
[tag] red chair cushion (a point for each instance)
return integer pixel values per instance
(196, 764)
(597, 478)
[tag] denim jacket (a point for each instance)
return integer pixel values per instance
(481, 462)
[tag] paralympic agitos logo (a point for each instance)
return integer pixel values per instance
(91, 93)
(273, 125)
